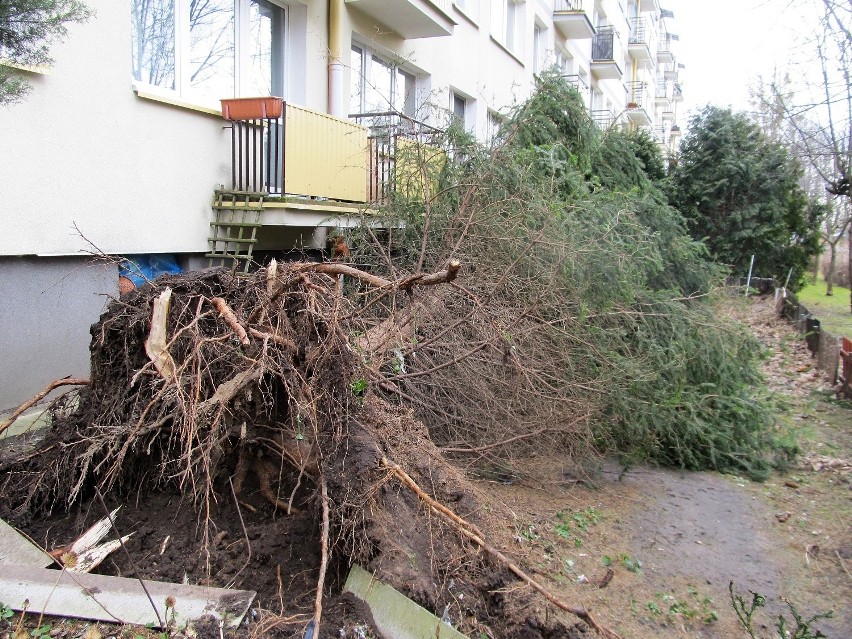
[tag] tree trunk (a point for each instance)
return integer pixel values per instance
(816, 267)
(829, 276)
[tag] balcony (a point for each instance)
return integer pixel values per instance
(578, 82)
(649, 5)
(604, 64)
(410, 19)
(571, 17)
(667, 115)
(677, 93)
(637, 103)
(603, 118)
(662, 95)
(664, 51)
(403, 156)
(674, 132)
(293, 151)
(670, 71)
(639, 41)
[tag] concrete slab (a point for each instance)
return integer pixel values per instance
(117, 599)
(17, 550)
(395, 614)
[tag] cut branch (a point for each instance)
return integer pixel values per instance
(231, 320)
(65, 381)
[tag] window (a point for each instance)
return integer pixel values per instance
(458, 108)
(506, 23)
(209, 50)
(539, 48)
(378, 85)
(495, 121)
(468, 7)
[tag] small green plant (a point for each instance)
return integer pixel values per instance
(573, 526)
(42, 632)
(631, 563)
(671, 609)
(358, 386)
(6, 613)
(745, 613)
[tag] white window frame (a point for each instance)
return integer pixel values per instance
(182, 89)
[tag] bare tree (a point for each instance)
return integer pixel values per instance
(817, 119)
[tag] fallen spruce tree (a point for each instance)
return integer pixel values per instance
(204, 383)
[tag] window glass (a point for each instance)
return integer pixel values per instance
(356, 80)
(211, 47)
(266, 52)
(378, 91)
(202, 48)
(404, 93)
(511, 19)
(153, 37)
(377, 86)
(458, 108)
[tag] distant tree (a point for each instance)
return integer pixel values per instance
(739, 192)
(27, 29)
(816, 117)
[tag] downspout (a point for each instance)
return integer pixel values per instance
(336, 102)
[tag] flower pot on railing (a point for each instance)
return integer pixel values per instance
(632, 105)
(252, 108)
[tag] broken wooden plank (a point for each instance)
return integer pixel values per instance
(117, 599)
(394, 614)
(17, 550)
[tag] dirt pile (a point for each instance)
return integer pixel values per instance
(232, 418)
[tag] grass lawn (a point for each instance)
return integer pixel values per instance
(833, 312)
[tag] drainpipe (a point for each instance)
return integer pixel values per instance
(336, 101)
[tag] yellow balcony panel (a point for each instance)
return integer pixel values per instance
(324, 156)
(409, 18)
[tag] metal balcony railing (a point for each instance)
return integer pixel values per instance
(603, 118)
(677, 93)
(665, 45)
(662, 90)
(395, 153)
(637, 95)
(568, 5)
(297, 152)
(638, 31)
(576, 81)
(603, 44)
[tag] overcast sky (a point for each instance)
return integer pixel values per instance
(726, 44)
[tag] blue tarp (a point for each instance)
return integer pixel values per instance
(140, 269)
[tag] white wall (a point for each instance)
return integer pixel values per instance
(135, 176)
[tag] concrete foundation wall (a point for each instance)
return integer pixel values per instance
(46, 308)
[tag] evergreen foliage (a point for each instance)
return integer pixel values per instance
(739, 192)
(27, 29)
(599, 283)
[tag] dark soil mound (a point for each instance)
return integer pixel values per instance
(219, 439)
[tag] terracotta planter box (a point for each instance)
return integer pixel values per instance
(252, 108)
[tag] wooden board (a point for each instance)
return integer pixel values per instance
(117, 599)
(15, 549)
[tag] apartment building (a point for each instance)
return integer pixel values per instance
(120, 146)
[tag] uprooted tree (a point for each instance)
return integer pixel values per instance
(541, 296)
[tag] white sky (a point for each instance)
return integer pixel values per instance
(726, 44)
